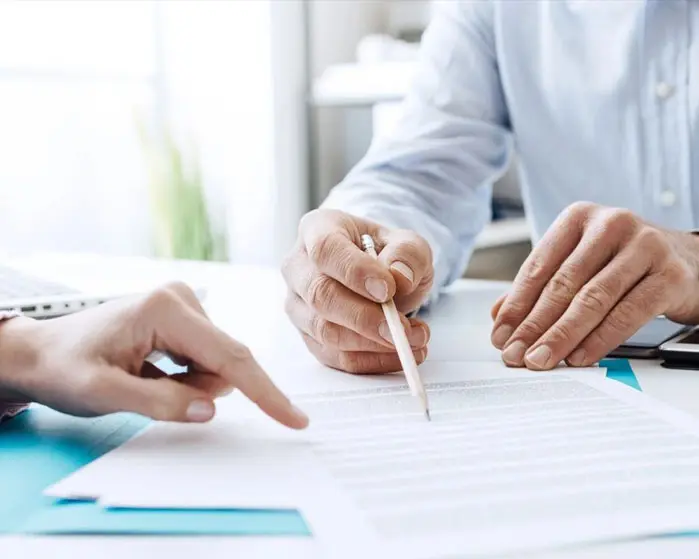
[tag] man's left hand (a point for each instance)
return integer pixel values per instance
(595, 278)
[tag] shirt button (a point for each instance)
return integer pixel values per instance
(667, 198)
(664, 90)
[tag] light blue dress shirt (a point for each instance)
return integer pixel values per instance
(599, 98)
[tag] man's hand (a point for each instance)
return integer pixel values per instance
(335, 290)
(596, 277)
(93, 362)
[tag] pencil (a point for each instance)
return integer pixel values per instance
(400, 340)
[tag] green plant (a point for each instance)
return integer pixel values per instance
(183, 227)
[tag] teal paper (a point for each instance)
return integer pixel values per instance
(90, 518)
(41, 446)
(621, 371)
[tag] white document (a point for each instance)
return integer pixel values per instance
(512, 461)
(236, 461)
(226, 464)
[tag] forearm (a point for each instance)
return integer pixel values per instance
(434, 171)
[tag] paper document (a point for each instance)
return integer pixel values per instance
(227, 464)
(511, 461)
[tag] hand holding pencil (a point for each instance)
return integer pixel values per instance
(333, 288)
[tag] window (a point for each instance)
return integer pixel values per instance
(76, 78)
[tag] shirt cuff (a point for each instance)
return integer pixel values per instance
(8, 411)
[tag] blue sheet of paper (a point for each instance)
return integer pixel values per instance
(621, 371)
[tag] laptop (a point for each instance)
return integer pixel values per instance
(41, 298)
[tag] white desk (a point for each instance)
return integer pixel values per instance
(248, 303)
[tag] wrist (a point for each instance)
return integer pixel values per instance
(18, 356)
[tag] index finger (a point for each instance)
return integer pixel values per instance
(335, 251)
(176, 327)
(548, 255)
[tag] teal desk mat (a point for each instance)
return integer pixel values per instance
(620, 370)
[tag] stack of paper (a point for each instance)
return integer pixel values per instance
(512, 461)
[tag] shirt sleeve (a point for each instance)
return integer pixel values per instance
(433, 172)
(8, 410)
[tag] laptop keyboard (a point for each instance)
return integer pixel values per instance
(17, 285)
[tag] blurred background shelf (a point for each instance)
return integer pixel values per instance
(362, 85)
(504, 232)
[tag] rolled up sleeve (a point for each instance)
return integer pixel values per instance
(433, 172)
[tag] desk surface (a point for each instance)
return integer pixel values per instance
(248, 303)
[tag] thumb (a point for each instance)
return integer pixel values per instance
(162, 399)
(409, 258)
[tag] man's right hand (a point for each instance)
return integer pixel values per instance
(335, 290)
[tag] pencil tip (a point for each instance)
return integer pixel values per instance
(427, 415)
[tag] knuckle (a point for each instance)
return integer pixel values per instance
(512, 312)
(162, 297)
(620, 219)
(595, 298)
(624, 315)
(322, 249)
(240, 352)
(535, 270)
(561, 287)
(320, 292)
(677, 274)
(353, 271)
(559, 334)
(325, 332)
(308, 219)
(365, 319)
(530, 329)
(579, 211)
(179, 288)
(413, 247)
(650, 239)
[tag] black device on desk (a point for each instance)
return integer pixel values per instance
(646, 343)
(682, 352)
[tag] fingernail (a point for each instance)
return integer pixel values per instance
(226, 391)
(300, 415)
(539, 357)
(514, 353)
(404, 270)
(577, 358)
(200, 411)
(418, 336)
(377, 288)
(501, 335)
(421, 355)
(385, 332)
